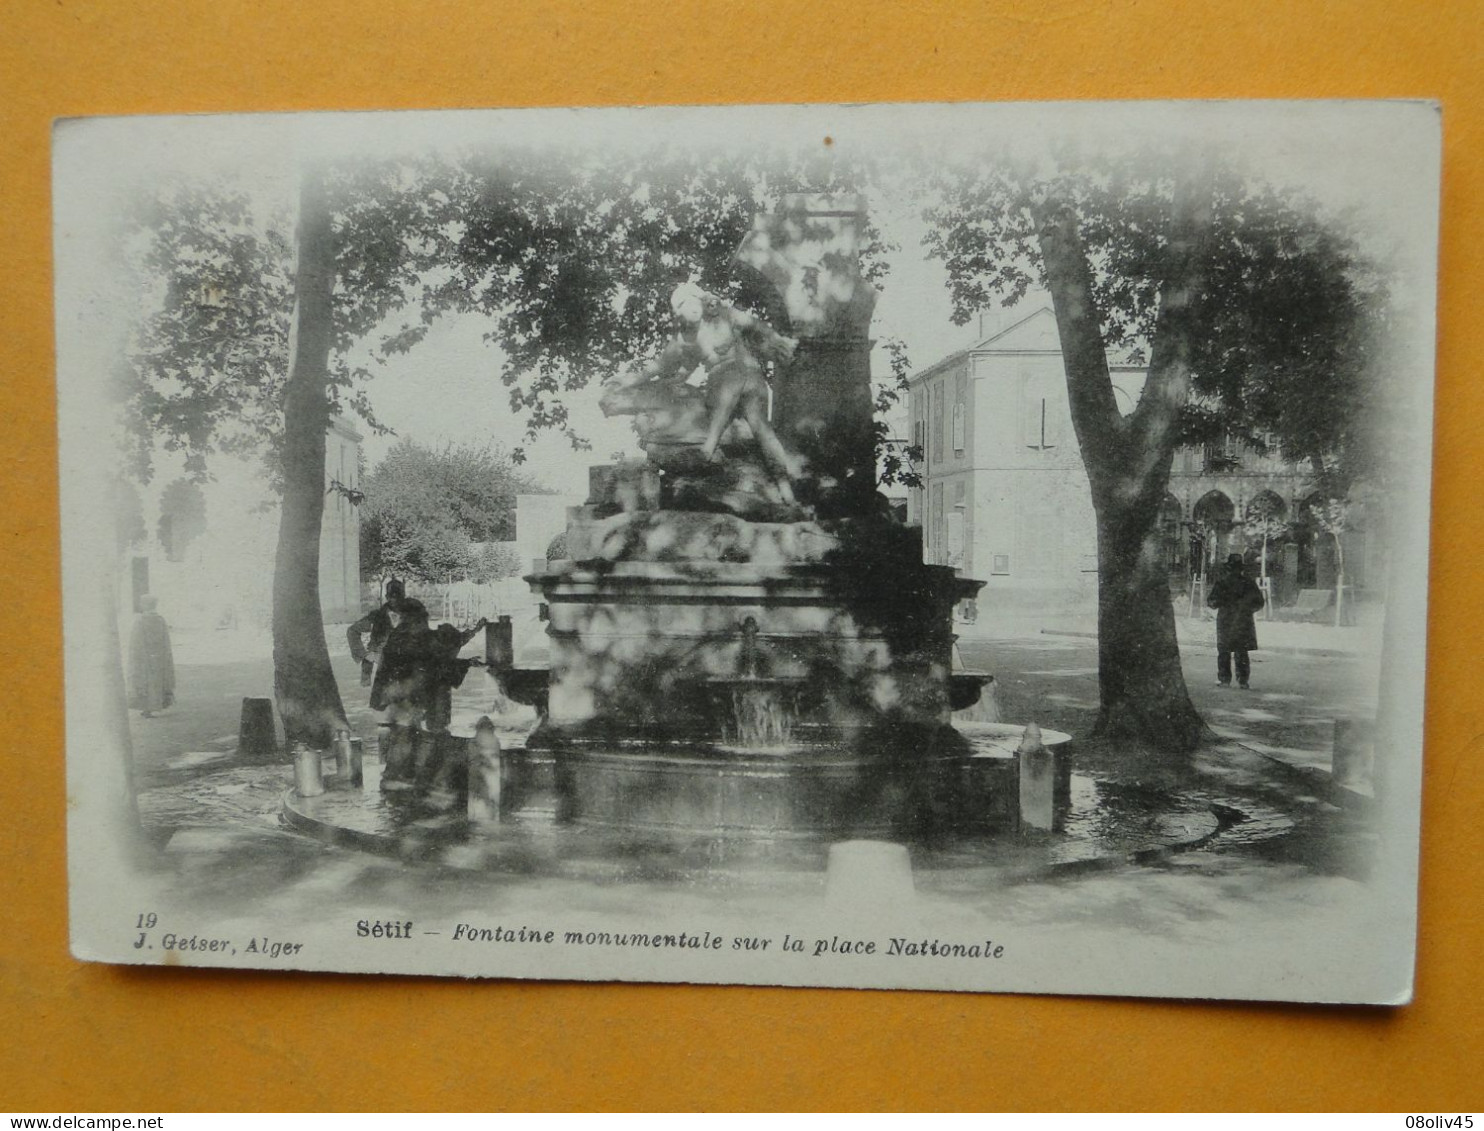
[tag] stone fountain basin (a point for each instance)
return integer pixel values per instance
(1001, 740)
(803, 792)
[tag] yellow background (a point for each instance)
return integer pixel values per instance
(84, 1037)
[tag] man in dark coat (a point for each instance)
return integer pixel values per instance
(414, 685)
(1235, 597)
(151, 665)
(378, 622)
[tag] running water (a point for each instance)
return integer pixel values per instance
(761, 720)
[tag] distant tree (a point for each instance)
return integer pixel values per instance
(494, 561)
(426, 508)
(1336, 517)
(1264, 525)
(1245, 302)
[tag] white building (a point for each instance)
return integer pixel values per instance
(1006, 500)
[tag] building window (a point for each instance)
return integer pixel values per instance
(1042, 423)
(960, 410)
(954, 537)
(1000, 565)
(935, 524)
(1223, 456)
(955, 534)
(938, 421)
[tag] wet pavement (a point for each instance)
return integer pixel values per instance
(1249, 829)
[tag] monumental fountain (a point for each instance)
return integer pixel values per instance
(742, 641)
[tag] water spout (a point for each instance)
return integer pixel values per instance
(747, 658)
(762, 710)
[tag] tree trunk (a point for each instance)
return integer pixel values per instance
(1339, 581)
(1141, 684)
(1267, 593)
(303, 681)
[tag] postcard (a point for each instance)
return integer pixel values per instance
(956, 547)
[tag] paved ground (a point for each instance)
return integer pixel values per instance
(1270, 749)
(1240, 859)
(1289, 713)
(1304, 677)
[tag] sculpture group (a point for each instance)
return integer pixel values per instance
(681, 426)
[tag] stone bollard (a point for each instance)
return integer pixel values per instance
(869, 876)
(340, 747)
(373, 754)
(1353, 761)
(1037, 782)
(308, 778)
(347, 760)
(485, 774)
(256, 738)
(357, 763)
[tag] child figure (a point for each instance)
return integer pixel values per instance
(721, 338)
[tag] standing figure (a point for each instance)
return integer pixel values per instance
(378, 622)
(1235, 597)
(151, 665)
(414, 686)
(436, 770)
(732, 345)
(396, 690)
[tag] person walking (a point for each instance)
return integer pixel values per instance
(1236, 598)
(151, 665)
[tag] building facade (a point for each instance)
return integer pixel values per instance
(206, 550)
(1005, 498)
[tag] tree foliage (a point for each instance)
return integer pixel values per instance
(1288, 312)
(206, 361)
(492, 561)
(426, 511)
(208, 356)
(571, 257)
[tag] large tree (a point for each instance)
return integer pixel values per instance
(303, 681)
(1249, 309)
(246, 329)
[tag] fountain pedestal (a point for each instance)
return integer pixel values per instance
(769, 697)
(639, 650)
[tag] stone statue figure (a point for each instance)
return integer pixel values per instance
(732, 346)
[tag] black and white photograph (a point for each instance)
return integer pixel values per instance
(971, 547)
